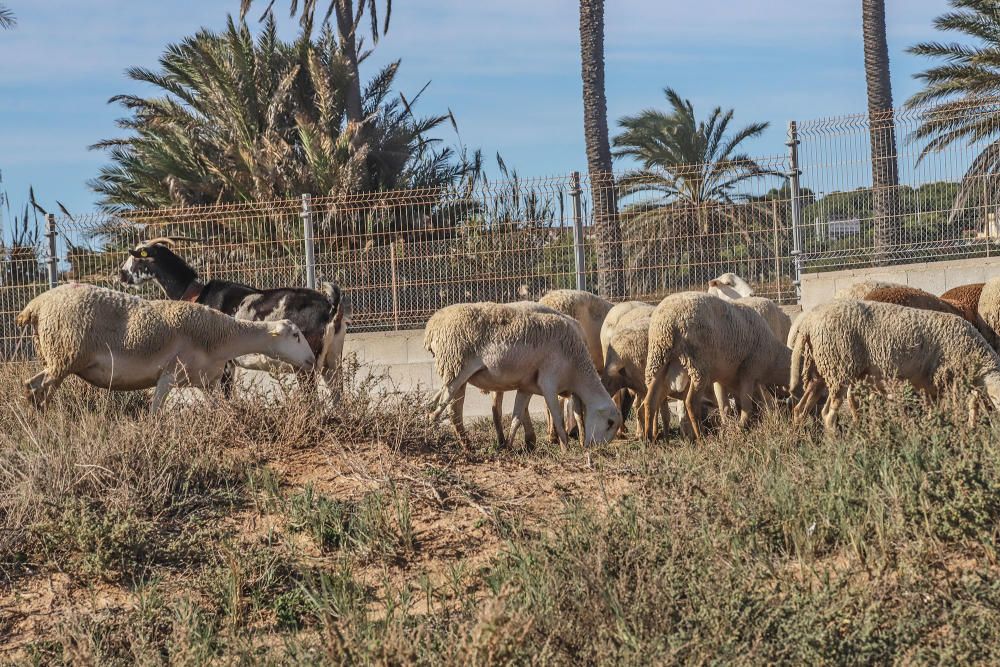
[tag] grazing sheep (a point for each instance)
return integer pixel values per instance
(587, 309)
(777, 320)
(696, 339)
(623, 315)
(911, 297)
(860, 290)
(499, 347)
(497, 407)
(989, 311)
(122, 342)
(322, 315)
(625, 366)
(845, 341)
(966, 299)
(730, 287)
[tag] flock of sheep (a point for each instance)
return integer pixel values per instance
(722, 352)
(723, 349)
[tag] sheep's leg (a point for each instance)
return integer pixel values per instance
(808, 401)
(639, 403)
(555, 411)
(628, 403)
(852, 403)
(664, 413)
(570, 420)
(438, 404)
(446, 395)
(655, 398)
(692, 405)
(521, 418)
(40, 387)
(745, 402)
(575, 411)
(163, 386)
(721, 401)
(497, 410)
(618, 399)
(457, 404)
(832, 406)
(973, 404)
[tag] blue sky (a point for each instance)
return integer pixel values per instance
(508, 70)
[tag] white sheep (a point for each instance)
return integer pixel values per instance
(730, 287)
(989, 312)
(498, 347)
(587, 309)
(695, 340)
(497, 408)
(622, 315)
(122, 342)
(777, 320)
(846, 341)
(625, 365)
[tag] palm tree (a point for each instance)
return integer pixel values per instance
(963, 87)
(882, 127)
(687, 190)
(347, 21)
(610, 263)
(246, 120)
(7, 18)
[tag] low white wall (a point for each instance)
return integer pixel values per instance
(933, 277)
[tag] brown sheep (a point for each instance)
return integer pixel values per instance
(913, 298)
(965, 298)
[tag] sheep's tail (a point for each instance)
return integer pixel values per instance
(803, 363)
(28, 316)
(661, 351)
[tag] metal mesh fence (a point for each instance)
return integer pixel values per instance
(943, 207)
(402, 255)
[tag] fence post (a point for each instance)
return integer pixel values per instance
(50, 233)
(395, 285)
(576, 192)
(307, 237)
(793, 176)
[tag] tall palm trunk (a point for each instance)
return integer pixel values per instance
(346, 29)
(882, 128)
(610, 264)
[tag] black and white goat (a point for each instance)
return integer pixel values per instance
(321, 315)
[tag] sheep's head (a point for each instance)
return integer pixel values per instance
(729, 286)
(602, 423)
(288, 344)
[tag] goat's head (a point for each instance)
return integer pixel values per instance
(153, 260)
(288, 344)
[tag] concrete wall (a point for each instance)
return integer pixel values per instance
(934, 277)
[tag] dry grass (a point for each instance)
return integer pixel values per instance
(228, 532)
